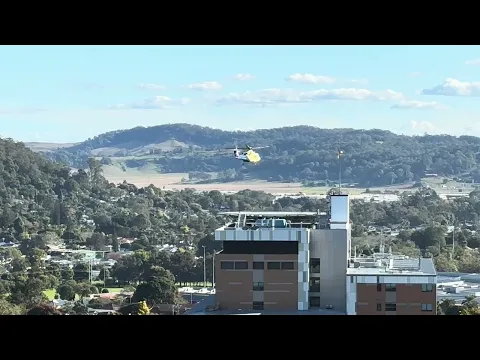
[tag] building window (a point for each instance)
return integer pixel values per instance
(315, 265)
(288, 265)
(258, 265)
(351, 280)
(226, 265)
(379, 307)
(427, 307)
(379, 287)
(314, 301)
(390, 287)
(241, 265)
(258, 286)
(390, 307)
(258, 305)
(314, 285)
(274, 265)
(427, 287)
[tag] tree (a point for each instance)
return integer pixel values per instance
(139, 308)
(157, 290)
(115, 244)
(7, 308)
(43, 309)
(470, 306)
(27, 292)
(67, 290)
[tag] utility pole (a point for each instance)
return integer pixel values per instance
(204, 269)
(453, 243)
(213, 270)
(90, 268)
(104, 276)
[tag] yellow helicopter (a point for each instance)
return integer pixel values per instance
(247, 154)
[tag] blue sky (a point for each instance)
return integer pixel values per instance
(70, 93)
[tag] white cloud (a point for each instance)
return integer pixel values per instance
(310, 79)
(422, 105)
(288, 96)
(472, 62)
(359, 81)
(157, 102)
(244, 77)
(423, 127)
(205, 86)
(152, 87)
(453, 87)
(415, 74)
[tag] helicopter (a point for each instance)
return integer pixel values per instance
(247, 154)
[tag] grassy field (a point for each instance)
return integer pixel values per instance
(50, 294)
(147, 175)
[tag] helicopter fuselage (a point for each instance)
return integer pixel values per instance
(249, 156)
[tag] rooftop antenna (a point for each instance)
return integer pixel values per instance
(382, 247)
(339, 157)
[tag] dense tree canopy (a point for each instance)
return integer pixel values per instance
(156, 237)
(300, 153)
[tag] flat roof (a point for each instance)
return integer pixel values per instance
(270, 213)
(400, 267)
(311, 311)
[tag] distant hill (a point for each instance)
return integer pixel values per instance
(299, 153)
(43, 146)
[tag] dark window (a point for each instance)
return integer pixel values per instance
(241, 265)
(258, 265)
(390, 287)
(260, 247)
(427, 287)
(314, 301)
(379, 307)
(274, 265)
(288, 265)
(258, 286)
(390, 307)
(379, 287)
(315, 265)
(226, 265)
(351, 280)
(258, 305)
(427, 307)
(314, 285)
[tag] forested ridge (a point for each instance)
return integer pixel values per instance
(299, 153)
(44, 206)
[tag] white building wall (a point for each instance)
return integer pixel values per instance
(351, 295)
(392, 279)
(303, 269)
(261, 234)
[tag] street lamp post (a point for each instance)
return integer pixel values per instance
(204, 269)
(213, 270)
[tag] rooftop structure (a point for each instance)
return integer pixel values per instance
(253, 220)
(389, 264)
(301, 262)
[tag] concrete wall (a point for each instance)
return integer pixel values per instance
(332, 247)
(303, 269)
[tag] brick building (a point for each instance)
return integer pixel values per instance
(301, 262)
